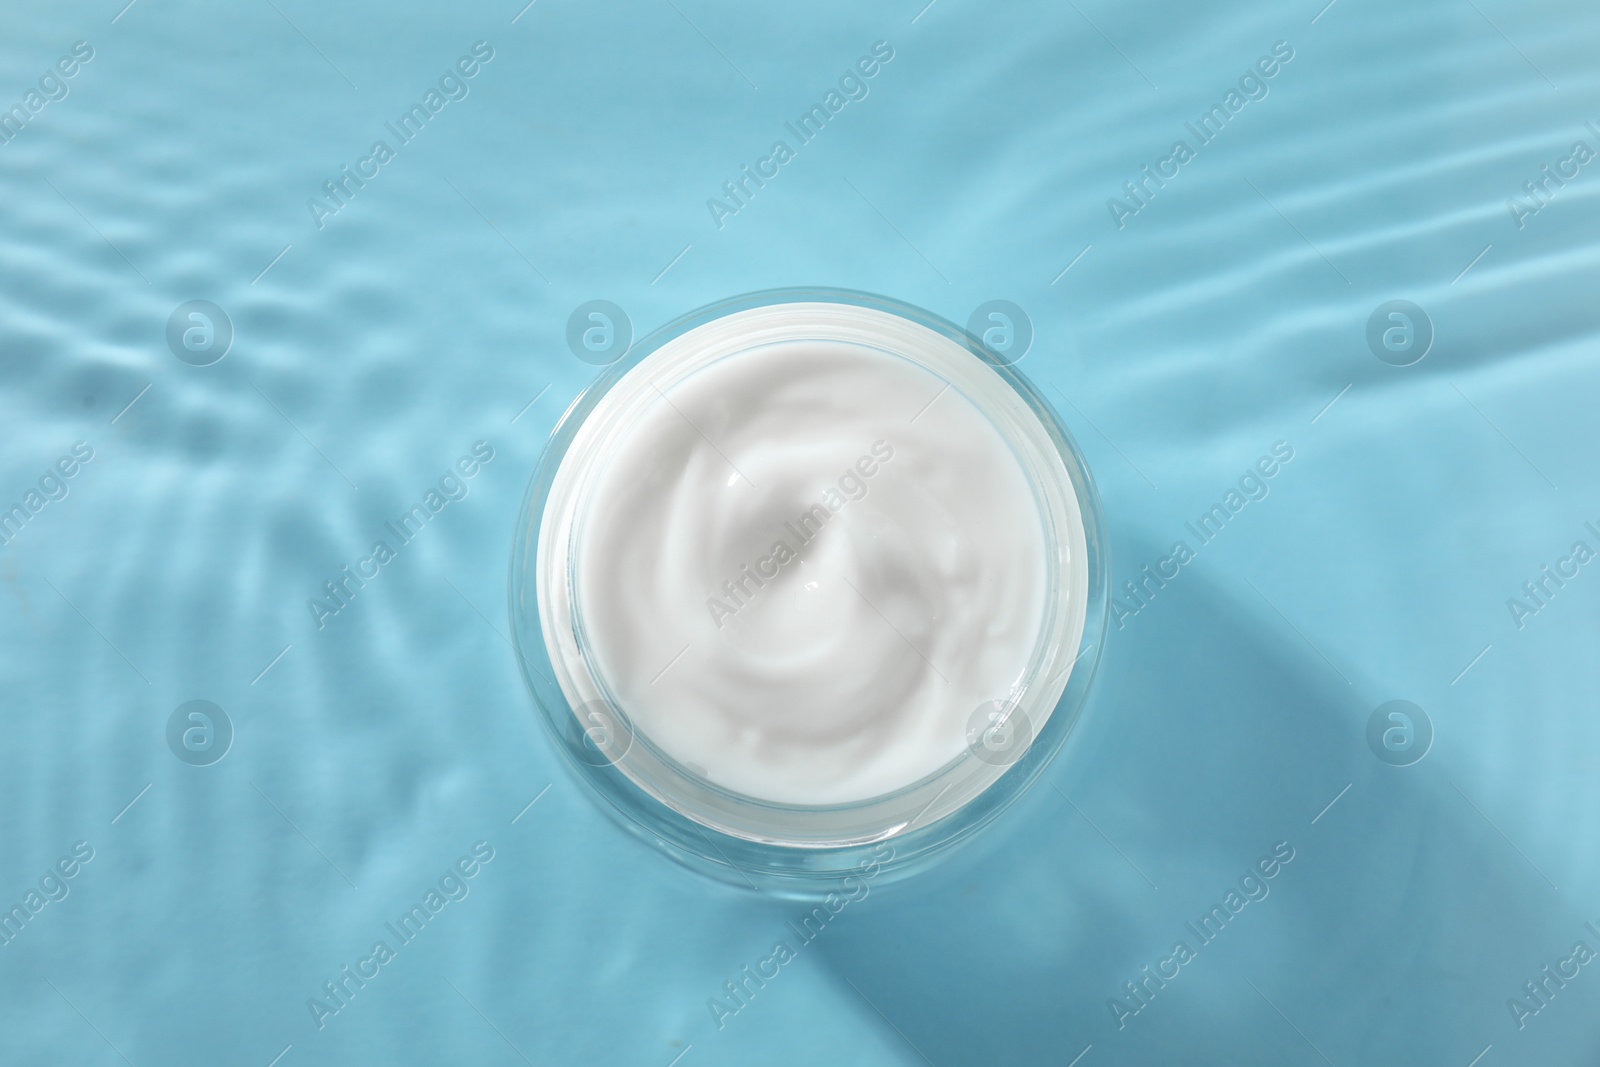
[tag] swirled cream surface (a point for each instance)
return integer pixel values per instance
(799, 567)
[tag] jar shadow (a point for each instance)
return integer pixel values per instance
(1217, 742)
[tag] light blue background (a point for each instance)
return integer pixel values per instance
(425, 317)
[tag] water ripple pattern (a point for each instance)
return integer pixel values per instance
(248, 358)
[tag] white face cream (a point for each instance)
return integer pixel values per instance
(810, 552)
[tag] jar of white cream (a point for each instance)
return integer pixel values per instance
(804, 573)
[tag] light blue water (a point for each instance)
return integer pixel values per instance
(429, 313)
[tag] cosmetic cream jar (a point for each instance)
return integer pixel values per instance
(805, 574)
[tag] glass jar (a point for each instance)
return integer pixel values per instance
(801, 848)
